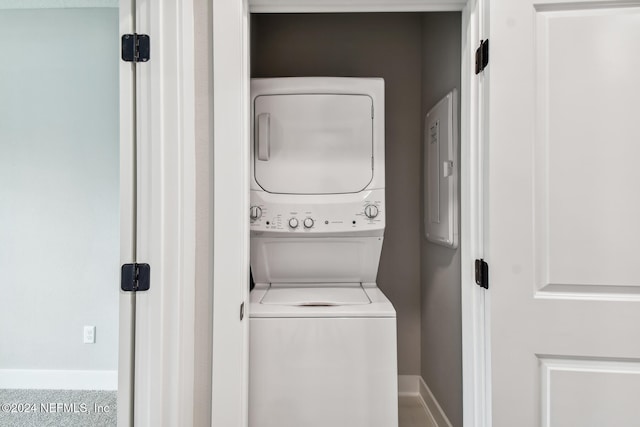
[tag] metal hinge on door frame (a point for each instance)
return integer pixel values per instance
(482, 56)
(135, 47)
(482, 273)
(135, 277)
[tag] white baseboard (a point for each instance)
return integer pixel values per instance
(414, 385)
(408, 385)
(433, 408)
(41, 379)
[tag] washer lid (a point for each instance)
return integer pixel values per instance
(315, 296)
(313, 143)
(377, 306)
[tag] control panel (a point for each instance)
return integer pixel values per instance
(318, 214)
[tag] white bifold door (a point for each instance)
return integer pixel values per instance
(564, 213)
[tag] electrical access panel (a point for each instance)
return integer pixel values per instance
(441, 172)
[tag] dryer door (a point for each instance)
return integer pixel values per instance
(313, 143)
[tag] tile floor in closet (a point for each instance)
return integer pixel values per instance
(412, 413)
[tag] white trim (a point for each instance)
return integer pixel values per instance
(127, 224)
(414, 386)
(431, 405)
(408, 385)
(44, 379)
(338, 6)
(482, 301)
(165, 314)
(229, 405)
(474, 299)
(185, 334)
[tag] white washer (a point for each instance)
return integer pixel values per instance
(322, 335)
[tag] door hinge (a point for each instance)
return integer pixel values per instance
(482, 56)
(242, 311)
(135, 47)
(482, 273)
(135, 277)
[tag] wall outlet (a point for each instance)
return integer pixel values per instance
(89, 336)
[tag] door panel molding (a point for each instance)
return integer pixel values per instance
(591, 379)
(582, 171)
(589, 292)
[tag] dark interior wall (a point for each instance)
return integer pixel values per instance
(386, 45)
(441, 329)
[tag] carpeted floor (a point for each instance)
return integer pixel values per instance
(57, 408)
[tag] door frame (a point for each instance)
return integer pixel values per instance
(127, 300)
(158, 367)
(231, 194)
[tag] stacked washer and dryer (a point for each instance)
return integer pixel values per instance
(322, 335)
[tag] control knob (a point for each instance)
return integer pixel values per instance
(308, 223)
(371, 211)
(293, 223)
(255, 212)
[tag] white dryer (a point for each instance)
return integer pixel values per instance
(322, 335)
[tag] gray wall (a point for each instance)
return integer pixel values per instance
(59, 188)
(441, 331)
(368, 45)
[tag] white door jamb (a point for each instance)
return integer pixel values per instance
(231, 118)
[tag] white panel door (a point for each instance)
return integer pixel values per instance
(563, 213)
